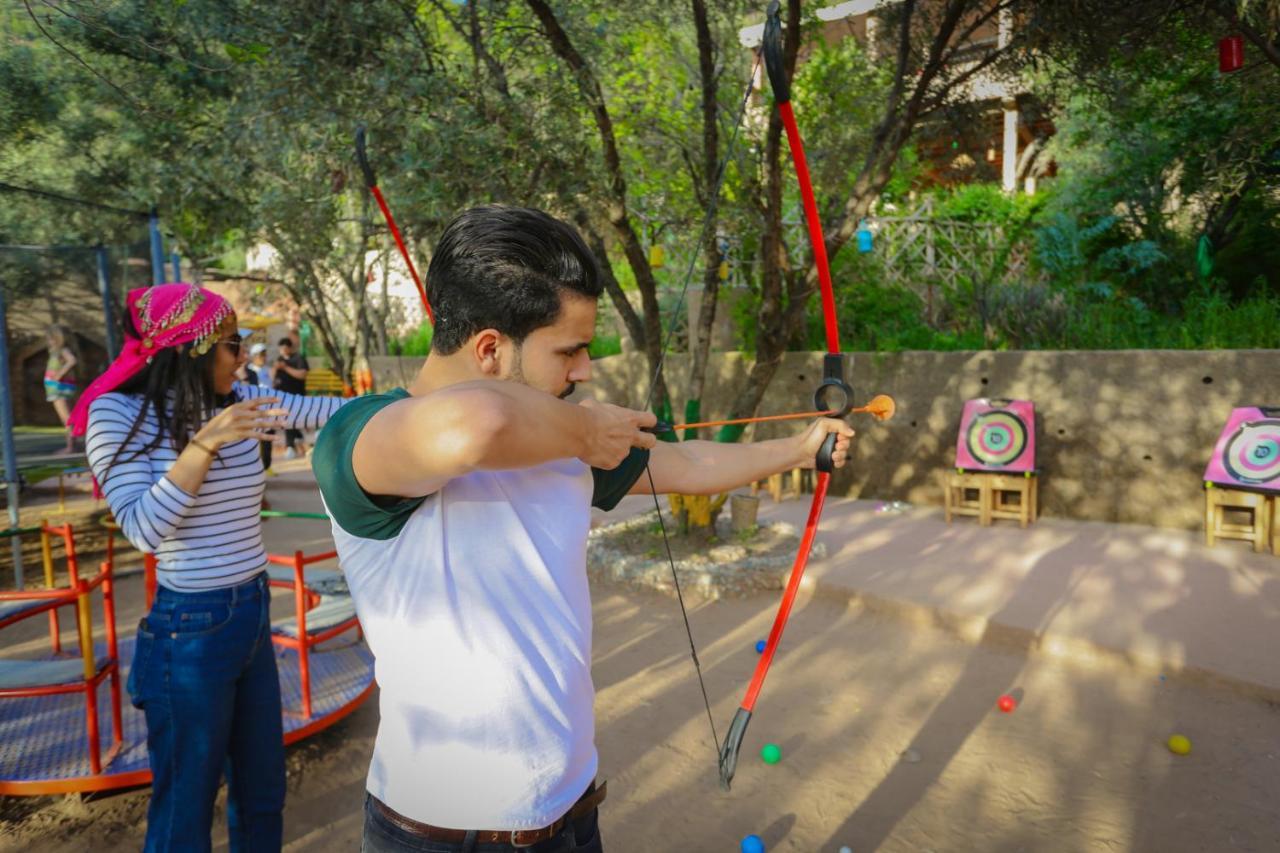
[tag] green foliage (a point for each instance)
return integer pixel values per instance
(839, 79)
(1081, 292)
(237, 119)
(418, 343)
(877, 315)
(1154, 153)
(988, 204)
(604, 345)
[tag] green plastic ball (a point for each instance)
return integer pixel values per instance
(771, 753)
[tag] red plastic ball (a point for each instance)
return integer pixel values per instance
(1007, 703)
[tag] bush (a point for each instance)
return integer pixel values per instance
(604, 345)
(418, 343)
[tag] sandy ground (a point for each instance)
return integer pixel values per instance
(1079, 766)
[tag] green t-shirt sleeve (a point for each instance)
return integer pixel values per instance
(351, 507)
(611, 486)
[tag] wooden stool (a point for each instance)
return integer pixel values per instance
(1275, 526)
(773, 485)
(957, 486)
(801, 482)
(1004, 487)
(1218, 501)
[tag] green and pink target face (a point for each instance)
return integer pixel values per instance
(997, 436)
(1248, 450)
(1253, 453)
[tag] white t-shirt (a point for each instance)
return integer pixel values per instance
(475, 604)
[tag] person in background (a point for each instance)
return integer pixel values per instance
(172, 439)
(260, 374)
(291, 378)
(59, 384)
(242, 372)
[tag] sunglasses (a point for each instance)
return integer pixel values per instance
(235, 343)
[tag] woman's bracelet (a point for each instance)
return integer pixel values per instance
(203, 447)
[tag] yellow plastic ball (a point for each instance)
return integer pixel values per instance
(1179, 744)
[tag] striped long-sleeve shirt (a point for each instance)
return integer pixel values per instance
(208, 540)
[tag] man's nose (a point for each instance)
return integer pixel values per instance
(581, 370)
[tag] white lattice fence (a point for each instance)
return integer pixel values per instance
(918, 252)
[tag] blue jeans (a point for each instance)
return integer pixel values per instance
(383, 836)
(204, 674)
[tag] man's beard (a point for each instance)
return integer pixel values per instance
(517, 375)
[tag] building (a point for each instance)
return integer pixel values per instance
(998, 128)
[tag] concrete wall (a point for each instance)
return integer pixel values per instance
(1121, 435)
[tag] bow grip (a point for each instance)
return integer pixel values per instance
(833, 395)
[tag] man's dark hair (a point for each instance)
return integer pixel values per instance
(285, 342)
(505, 268)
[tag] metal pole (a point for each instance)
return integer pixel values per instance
(108, 313)
(10, 451)
(157, 248)
(176, 264)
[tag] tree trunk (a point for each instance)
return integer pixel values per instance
(772, 338)
(630, 319)
(700, 339)
(616, 211)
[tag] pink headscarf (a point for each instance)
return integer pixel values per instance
(166, 315)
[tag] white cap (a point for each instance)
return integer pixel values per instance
(257, 348)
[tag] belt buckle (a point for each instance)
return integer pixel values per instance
(517, 844)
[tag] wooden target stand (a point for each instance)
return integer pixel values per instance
(991, 495)
(1236, 514)
(799, 481)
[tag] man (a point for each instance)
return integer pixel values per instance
(291, 377)
(259, 373)
(460, 511)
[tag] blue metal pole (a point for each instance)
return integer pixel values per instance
(108, 313)
(10, 451)
(176, 264)
(157, 248)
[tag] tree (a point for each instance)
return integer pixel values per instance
(933, 65)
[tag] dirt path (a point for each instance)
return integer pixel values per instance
(1079, 766)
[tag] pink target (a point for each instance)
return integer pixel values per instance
(1248, 450)
(997, 435)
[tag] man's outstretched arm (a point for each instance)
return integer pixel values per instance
(711, 467)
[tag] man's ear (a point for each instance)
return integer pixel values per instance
(487, 346)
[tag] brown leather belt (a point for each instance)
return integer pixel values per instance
(593, 797)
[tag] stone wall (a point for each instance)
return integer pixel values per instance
(1121, 435)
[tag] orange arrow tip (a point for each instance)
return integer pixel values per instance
(881, 407)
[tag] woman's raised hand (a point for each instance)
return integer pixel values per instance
(246, 419)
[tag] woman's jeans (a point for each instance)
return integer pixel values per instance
(204, 673)
(383, 836)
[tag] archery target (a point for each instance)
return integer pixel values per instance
(1248, 450)
(997, 435)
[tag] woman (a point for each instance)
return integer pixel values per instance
(172, 440)
(57, 389)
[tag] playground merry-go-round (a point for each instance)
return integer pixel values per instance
(66, 724)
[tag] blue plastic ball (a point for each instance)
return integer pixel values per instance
(752, 844)
(760, 644)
